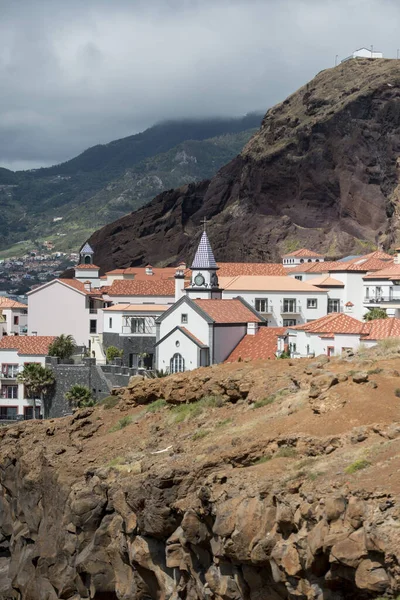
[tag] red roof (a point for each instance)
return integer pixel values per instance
(380, 329)
(140, 272)
(304, 253)
(8, 303)
(193, 337)
(237, 269)
(80, 286)
(262, 345)
(140, 287)
(331, 324)
(227, 311)
(362, 265)
(35, 345)
(82, 267)
(391, 271)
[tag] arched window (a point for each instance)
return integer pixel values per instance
(302, 260)
(309, 260)
(177, 363)
(88, 260)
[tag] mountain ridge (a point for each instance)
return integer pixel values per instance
(322, 171)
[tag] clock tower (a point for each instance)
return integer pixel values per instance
(204, 281)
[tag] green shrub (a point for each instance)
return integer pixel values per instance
(357, 466)
(262, 459)
(113, 352)
(118, 460)
(202, 433)
(182, 412)
(156, 405)
(223, 423)
(124, 422)
(397, 392)
(109, 402)
(286, 452)
(375, 371)
(80, 396)
(264, 402)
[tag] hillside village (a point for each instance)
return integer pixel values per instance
(173, 319)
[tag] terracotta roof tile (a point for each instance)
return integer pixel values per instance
(193, 337)
(304, 253)
(262, 345)
(8, 303)
(325, 281)
(387, 272)
(86, 267)
(266, 283)
(227, 311)
(137, 308)
(140, 272)
(380, 329)
(80, 286)
(150, 287)
(363, 265)
(35, 345)
(235, 269)
(331, 324)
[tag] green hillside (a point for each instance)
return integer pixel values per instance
(107, 181)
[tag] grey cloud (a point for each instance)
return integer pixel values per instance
(73, 74)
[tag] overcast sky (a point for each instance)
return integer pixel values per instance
(74, 73)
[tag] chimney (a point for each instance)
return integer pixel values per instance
(179, 282)
(252, 328)
(88, 286)
(149, 270)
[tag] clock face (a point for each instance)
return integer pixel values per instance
(199, 280)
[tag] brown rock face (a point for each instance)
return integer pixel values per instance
(322, 172)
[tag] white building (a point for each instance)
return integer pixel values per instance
(13, 317)
(282, 301)
(364, 53)
(381, 289)
(298, 257)
(15, 352)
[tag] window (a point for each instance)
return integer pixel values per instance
(138, 325)
(16, 320)
(289, 322)
(110, 322)
(262, 305)
(184, 319)
(289, 305)
(302, 260)
(299, 277)
(177, 363)
(312, 303)
(9, 391)
(9, 370)
(93, 326)
(378, 292)
(28, 413)
(8, 412)
(292, 347)
(367, 292)
(333, 305)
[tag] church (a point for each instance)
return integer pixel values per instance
(201, 328)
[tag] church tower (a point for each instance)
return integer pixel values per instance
(204, 280)
(86, 255)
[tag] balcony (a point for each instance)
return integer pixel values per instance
(265, 308)
(93, 311)
(381, 300)
(290, 308)
(10, 375)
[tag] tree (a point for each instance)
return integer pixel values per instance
(38, 381)
(113, 352)
(79, 396)
(63, 346)
(375, 313)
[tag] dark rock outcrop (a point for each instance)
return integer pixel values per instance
(321, 172)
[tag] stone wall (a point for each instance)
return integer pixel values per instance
(129, 345)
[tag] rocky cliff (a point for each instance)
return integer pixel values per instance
(322, 172)
(274, 480)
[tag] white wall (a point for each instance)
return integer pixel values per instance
(187, 348)
(12, 357)
(118, 320)
(196, 324)
(140, 299)
(275, 319)
(56, 309)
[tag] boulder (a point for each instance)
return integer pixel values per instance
(322, 383)
(371, 576)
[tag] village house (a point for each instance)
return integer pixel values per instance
(13, 317)
(381, 289)
(298, 257)
(15, 352)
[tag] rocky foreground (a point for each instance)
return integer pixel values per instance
(256, 481)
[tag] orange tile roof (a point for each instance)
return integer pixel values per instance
(320, 267)
(262, 345)
(227, 311)
(331, 324)
(325, 281)
(267, 283)
(380, 329)
(376, 254)
(138, 308)
(234, 269)
(363, 265)
(82, 267)
(391, 271)
(140, 272)
(79, 285)
(149, 287)
(35, 345)
(303, 253)
(8, 303)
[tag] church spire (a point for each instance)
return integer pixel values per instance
(204, 257)
(204, 280)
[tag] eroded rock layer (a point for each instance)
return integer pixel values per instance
(278, 481)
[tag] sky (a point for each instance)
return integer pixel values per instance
(75, 73)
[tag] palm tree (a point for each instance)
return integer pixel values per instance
(63, 346)
(79, 396)
(37, 380)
